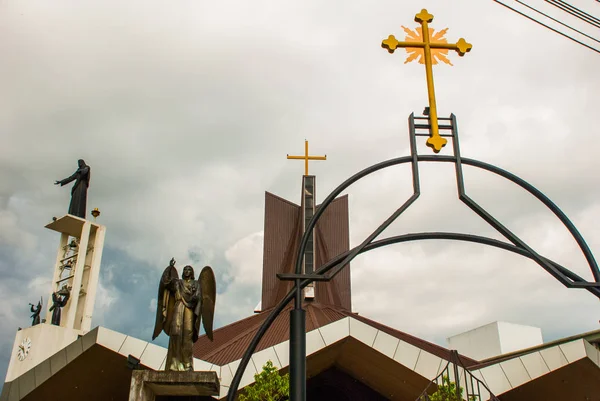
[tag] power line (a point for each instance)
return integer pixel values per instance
(579, 13)
(577, 10)
(560, 22)
(544, 25)
(574, 11)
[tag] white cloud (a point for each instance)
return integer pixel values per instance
(245, 277)
(12, 234)
(185, 114)
(105, 299)
(245, 257)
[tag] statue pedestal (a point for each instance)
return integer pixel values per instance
(147, 385)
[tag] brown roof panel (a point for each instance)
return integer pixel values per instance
(281, 239)
(282, 234)
(333, 238)
(230, 342)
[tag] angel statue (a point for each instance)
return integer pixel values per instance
(182, 303)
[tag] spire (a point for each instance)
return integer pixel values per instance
(307, 206)
(285, 223)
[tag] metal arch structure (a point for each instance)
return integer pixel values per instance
(418, 126)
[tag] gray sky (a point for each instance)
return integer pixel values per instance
(185, 113)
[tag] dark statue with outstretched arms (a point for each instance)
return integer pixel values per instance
(182, 303)
(79, 191)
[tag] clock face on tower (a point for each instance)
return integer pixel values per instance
(23, 349)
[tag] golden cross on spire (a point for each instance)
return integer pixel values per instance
(306, 157)
(432, 47)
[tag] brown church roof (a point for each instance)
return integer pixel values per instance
(231, 341)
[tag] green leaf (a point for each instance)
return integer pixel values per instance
(447, 391)
(268, 385)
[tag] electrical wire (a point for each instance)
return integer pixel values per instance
(560, 22)
(544, 25)
(574, 11)
(580, 11)
(577, 13)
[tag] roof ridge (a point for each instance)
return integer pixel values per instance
(282, 199)
(338, 198)
(469, 361)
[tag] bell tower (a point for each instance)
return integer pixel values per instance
(76, 271)
(72, 293)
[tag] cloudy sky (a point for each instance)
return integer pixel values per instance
(185, 112)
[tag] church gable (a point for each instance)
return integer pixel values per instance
(282, 234)
(281, 237)
(333, 239)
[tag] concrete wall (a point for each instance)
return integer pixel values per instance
(46, 339)
(480, 343)
(514, 337)
(495, 339)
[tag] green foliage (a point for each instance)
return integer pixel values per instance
(447, 392)
(269, 386)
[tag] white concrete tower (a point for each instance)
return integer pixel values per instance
(76, 267)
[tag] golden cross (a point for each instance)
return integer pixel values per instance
(306, 157)
(435, 141)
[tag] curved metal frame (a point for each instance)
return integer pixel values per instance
(334, 266)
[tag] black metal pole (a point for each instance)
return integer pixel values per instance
(298, 348)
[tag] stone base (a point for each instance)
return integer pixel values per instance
(147, 385)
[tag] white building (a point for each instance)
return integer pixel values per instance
(495, 339)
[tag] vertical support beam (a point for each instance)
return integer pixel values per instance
(94, 273)
(297, 354)
(64, 238)
(298, 315)
(78, 275)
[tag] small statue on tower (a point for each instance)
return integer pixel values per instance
(59, 300)
(79, 191)
(36, 313)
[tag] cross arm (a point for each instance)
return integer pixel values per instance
(307, 157)
(461, 47)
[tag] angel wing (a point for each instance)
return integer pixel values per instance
(164, 302)
(208, 285)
